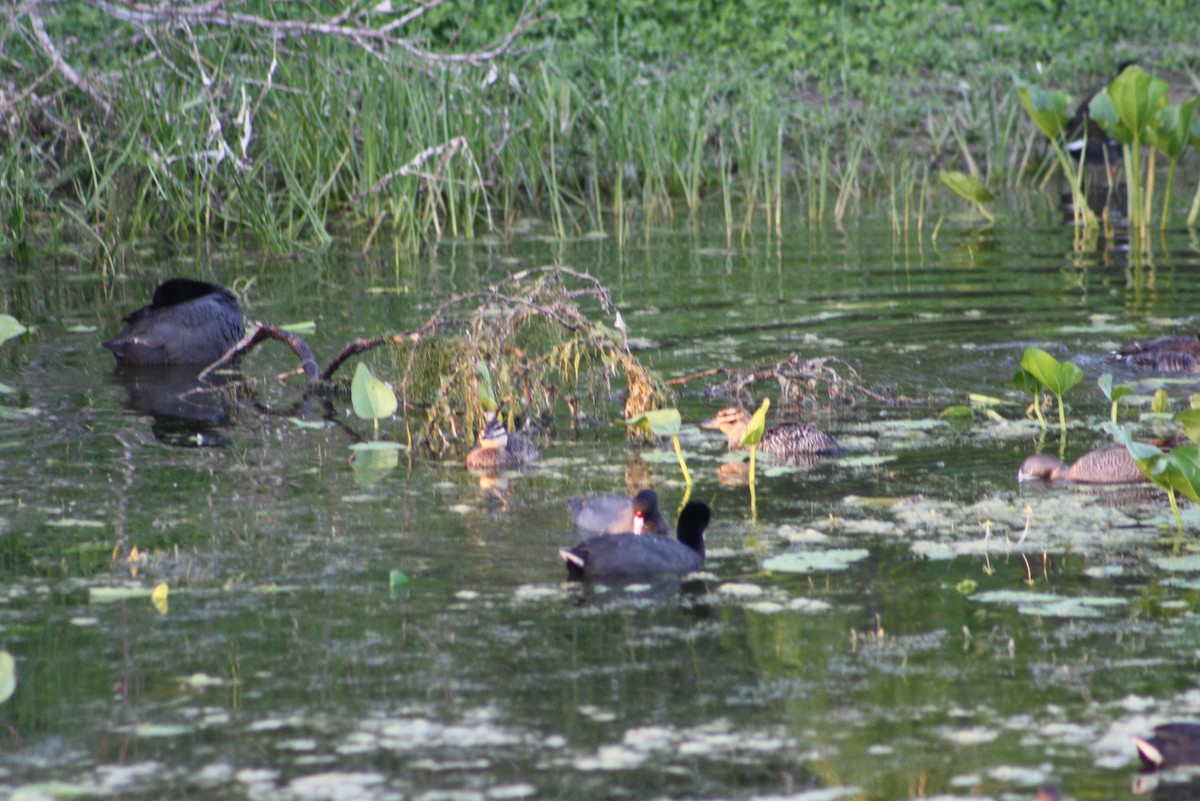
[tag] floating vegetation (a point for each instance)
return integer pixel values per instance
(1050, 605)
(815, 561)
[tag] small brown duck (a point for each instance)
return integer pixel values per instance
(787, 439)
(1172, 744)
(1166, 354)
(500, 450)
(1111, 465)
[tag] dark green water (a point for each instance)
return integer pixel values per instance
(285, 668)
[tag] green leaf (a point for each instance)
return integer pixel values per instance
(1190, 420)
(757, 425)
(397, 583)
(1047, 108)
(1056, 376)
(1183, 471)
(968, 187)
(962, 414)
(1168, 131)
(9, 328)
(1161, 402)
(372, 398)
(966, 586)
(663, 422)
(1024, 381)
(1137, 97)
(8, 676)
(484, 388)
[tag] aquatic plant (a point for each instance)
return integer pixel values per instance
(1052, 376)
(754, 434)
(1175, 471)
(1126, 108)
(1048, 110)
(970, 188)
(665, 423)
(1114, 394)
(10, 327)
(371, 398)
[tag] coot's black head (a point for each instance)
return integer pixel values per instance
(174, 291)
(693, 520)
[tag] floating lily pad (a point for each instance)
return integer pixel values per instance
(815, 561)
(1050, 605)
(1178, 564)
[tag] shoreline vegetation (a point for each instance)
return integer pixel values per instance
(399, 125)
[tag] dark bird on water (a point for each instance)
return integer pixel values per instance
(623, 556)
(187, 322)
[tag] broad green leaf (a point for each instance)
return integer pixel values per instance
(1183, 471)
(663, 422)
(1102, 110)
(1024, 381)
(1047, 108)
(1168, 131)
(1114, 394)
(1190, 420)
(1137, 97)
(484, 388)
(372, 398)
(8, 676)
(965, 186)
(9, 328)
(1056, 376)
(758, 425)
(1161, 402)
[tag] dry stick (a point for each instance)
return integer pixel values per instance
(740, 379)
(60, 64)
(215, 14)
(260, 331)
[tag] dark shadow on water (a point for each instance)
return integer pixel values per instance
(186, 411)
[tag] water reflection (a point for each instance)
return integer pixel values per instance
(186, 411)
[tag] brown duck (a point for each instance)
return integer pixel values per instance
(1111, 465)
(500, 450)
(787, 439)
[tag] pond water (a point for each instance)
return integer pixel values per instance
(961, 636)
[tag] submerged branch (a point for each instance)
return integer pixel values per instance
(797, 378)
(257, 333)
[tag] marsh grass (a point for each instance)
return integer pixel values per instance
(297, 141)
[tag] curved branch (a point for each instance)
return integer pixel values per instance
(257, 333)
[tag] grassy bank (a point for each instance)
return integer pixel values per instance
(596, 118)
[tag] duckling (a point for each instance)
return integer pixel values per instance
(1112, 465)
(500, 450)
(623, 556)
(787, 439)
(186, 322)
(617, 514)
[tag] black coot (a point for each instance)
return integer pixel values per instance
(617, 514)
(187, 322)
(623, 556)
(1172, 744)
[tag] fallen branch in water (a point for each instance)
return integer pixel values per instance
(798, 378)
(261, 331)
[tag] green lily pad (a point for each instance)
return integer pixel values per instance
(815, 561)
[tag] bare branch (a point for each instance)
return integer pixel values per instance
(60, 64)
